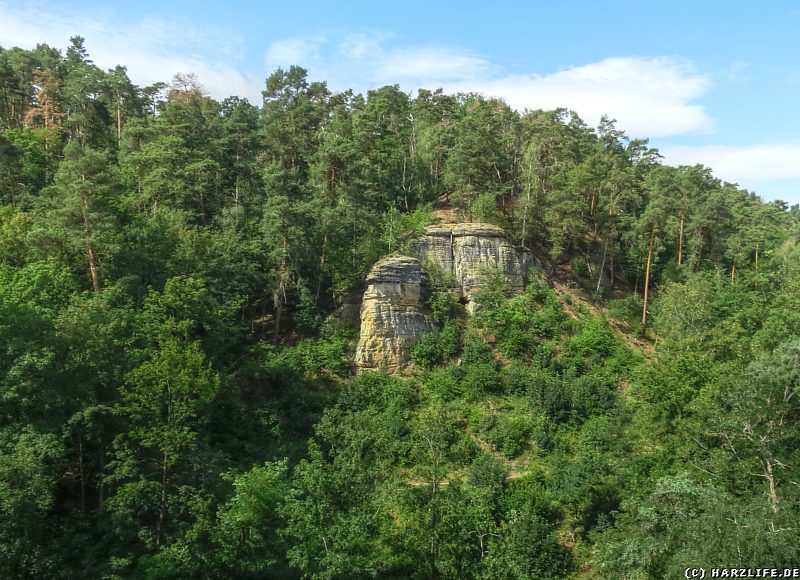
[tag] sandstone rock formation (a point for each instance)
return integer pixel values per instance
(463, 250)
(392, 314)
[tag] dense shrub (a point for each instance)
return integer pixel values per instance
(437, 345)
(511, 434)
(445, 382)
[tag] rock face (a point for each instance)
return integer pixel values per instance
(463, 250)
(392, 315)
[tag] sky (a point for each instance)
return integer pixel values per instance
(711, 82)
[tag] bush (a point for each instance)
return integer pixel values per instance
(400, 227)
(594, 339)
(518, 379)
(476, 351)
(521, 323)
(488, 472)
(445, 383)
(437, 345)
(543, 430)
(511, 434)
(492, 291)
(547, 395)
(308, 316)
(480, 379)
(592, 394)
(318, 356)
(628, 309)
(580, 268)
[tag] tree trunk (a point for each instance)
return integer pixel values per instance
(82, 471)
(733, 275)
(756, 259)
(680, 242)
(119, 123)
(403, 185)
(321, 265)
(602, 266)
(773, 493)
(647, 278)
(93, 267)
(163, 503)
(611, 272)
(100, 486)
(87, 229)
(279, 296)
(527, 205)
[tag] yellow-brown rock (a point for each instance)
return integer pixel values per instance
(464, 250)
(392, 314)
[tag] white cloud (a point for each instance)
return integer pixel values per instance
(737, 71)
(152, 49)
(360, 46)
(771, 170)
(427, 65)
(365, 60)
(652, 97)
(300, 51)
(741, 164)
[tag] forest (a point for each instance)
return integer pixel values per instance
(177, 391)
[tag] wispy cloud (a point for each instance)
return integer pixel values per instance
(652, 97)
(426, 65)
(286, 52)
(362, 61)
(751, 166)
(737, 71)
(745, 163)
(152, 49)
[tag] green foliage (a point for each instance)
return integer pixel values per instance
(246, 533)
(511, 434)
(580, 268)
(176, 399)
(683, 520)
(401, 227)
(627, 310)
(492, 288)
(319, 356)
(489, 473)
(526, 547)
(307, 316)
(445, 382)
(437, 345)
(28, 477)
(593, 340)
(521, 324)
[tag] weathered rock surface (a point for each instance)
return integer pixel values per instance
(392, 314)
(463, 250)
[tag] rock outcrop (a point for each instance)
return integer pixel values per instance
(463, 250)
(392, 314)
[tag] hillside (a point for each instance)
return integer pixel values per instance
(180, 290)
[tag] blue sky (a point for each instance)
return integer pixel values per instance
(707, 82)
